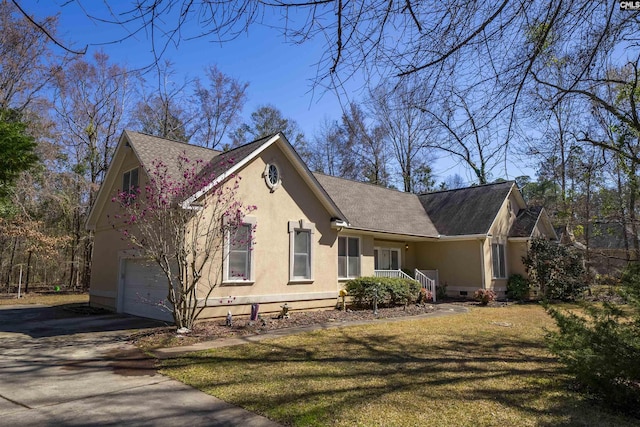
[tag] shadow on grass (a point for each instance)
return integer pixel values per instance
(317, 379)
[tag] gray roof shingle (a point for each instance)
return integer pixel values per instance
(371, 207)
(149, 148)
(226, 160)
(525, 221)
(466, 210)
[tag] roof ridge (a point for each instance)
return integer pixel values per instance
(365, 183)
(466, 188)
(262, 138)
(173, 140)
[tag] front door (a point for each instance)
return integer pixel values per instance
(386, 259)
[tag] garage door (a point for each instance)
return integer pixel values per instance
(145, 290)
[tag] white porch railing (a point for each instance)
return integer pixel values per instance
(391, 273)
(427, 282)
(427, 278)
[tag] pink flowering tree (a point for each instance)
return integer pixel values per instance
(182, 223)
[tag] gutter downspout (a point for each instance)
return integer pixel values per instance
(482, 265)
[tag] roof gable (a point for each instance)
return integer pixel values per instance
(374, 208)
(149, 148)
(146, 148)
(525, 222)
(217, 164)
(232, 161)
(466, 211)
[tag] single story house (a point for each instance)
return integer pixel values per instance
(466, 239)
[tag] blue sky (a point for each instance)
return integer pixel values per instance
(278, 72)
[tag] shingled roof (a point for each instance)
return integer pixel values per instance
(366, 207)
(215, 163)
(465, 211)
(374, 208)
(149, 148)
(525, 222)
(226, 160)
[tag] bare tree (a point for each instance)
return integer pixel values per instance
(164, 108)
(367, 145)
(406, 128)
(466, 133)
(219, 102)
(91, 99)
(354, 148)
(27, 64)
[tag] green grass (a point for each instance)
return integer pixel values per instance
(486, 368)
(46, 299)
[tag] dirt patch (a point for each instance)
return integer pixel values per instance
(131, 363)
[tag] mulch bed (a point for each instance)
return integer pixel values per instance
(242, 326)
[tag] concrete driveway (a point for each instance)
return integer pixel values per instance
(59, 368)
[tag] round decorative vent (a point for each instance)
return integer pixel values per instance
(272, 176)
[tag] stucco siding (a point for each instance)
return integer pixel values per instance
(109, 242)
(458, 263)
(291, 201)
(517, 250)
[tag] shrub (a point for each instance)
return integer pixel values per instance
(390, 291)
(558, 271)
(484, 296)
(517, 287)
(424, 296)
(602, 347)
(441, 291)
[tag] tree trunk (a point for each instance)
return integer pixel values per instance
(26, 280)
(11, 259)
(633, 194)
(88, 254)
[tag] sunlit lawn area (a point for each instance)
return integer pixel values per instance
(47, 299)
(488, 367)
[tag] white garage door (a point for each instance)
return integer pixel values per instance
(145, 290)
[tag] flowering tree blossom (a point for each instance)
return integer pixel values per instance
(184, 237)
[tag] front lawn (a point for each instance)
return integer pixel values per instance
(488, 367)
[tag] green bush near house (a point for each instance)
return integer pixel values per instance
(517, 287)
(390, 291)
(557, 270)
(441, 291)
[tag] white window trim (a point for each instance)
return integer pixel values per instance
(494, 273)
(250, 221)
(294, 226)
(390, 248)
(359, 258)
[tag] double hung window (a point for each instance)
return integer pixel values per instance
(348, 257)
(499, 261)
